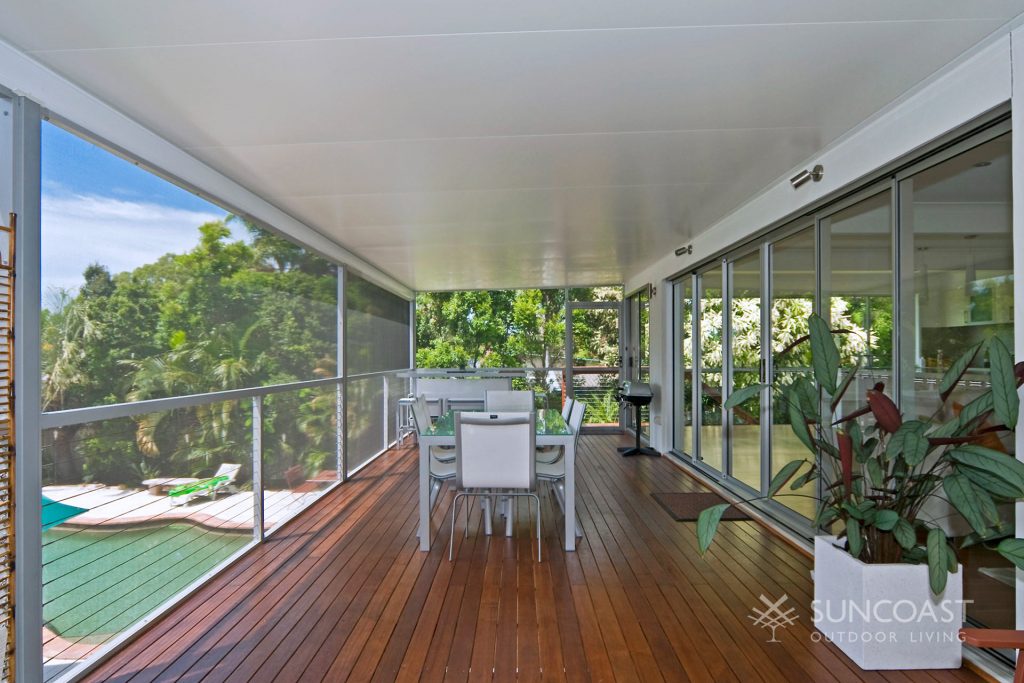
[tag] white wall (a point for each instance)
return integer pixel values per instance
(974, 84)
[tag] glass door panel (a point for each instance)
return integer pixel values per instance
(957, 290)
(745, 368)
(683, 302)
(710, 390)
(857, 284)
(793, 284)
(596, 361)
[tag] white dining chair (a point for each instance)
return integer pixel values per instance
(551, 454)
(494, 452)
(442, 453)
(509, 402)
(548, 454)
(554, 471)
(442, 461)
(567, 408)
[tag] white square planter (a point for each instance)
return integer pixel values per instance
(884, 616)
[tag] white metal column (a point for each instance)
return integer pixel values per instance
(28, 464)
(1017, 153)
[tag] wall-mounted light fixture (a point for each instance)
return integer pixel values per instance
(803, 176)
(688, 249)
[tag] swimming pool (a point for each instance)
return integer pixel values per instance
(98, 583)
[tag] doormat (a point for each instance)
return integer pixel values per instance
(686, 507)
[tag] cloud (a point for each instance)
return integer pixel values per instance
(79, 229)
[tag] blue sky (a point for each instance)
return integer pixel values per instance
(99, 208)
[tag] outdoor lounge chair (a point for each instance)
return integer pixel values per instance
(223, 480)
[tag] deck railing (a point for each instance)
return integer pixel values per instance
(123, 547)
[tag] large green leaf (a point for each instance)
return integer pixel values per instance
(807, 396)
(707, 525)
(990, 483)
(898, 441)
(1001, 530)
(876, 472)
(742, 395)
(824, 354)
(1005, 400)
(1004, 467)
(799, 424)
(803, 479)
(784, 475)
(854, 538)
(904, 534)
(826, 514)
(956, 370)
(974, 410)
(886, 520)
(915, 448)
(1013, 550)
(962, 494)
(938, 564)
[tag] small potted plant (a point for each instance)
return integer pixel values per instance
(888, 583)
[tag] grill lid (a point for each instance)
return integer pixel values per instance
(635, 390)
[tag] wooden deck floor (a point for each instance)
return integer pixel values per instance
(343, 594)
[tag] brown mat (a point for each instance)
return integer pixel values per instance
(685, 507)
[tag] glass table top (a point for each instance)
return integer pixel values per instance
(549, 423)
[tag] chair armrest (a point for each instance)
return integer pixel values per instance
(993, 637)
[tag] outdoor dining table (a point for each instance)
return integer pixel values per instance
(552, 430)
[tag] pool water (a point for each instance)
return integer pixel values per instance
(97, 584)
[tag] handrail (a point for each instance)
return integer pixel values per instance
(74, 416)
(474, 372)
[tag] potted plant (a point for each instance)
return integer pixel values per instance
(888, 584)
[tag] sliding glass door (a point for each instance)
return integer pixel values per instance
(710, 286)
(915, 268)
(744, 366)
(793, 284)
(956, 289)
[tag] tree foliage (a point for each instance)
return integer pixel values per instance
(227, 314)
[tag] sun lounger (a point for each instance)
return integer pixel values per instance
(222, 480)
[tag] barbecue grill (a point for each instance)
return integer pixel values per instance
(637, 394)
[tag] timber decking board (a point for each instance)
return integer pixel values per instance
(343, 593)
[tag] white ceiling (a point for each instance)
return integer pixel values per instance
(461, 144)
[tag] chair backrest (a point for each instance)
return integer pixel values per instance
(510, 402)
(579, 409)
(495, 450)
(228, 470)
(567, 409)
(420, 413)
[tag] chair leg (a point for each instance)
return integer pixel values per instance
(537, 500)
(509, 515)
(435, 488)
(451, 535)
(559, 495)
(466, 506)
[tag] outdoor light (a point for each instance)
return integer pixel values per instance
(803, 176)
